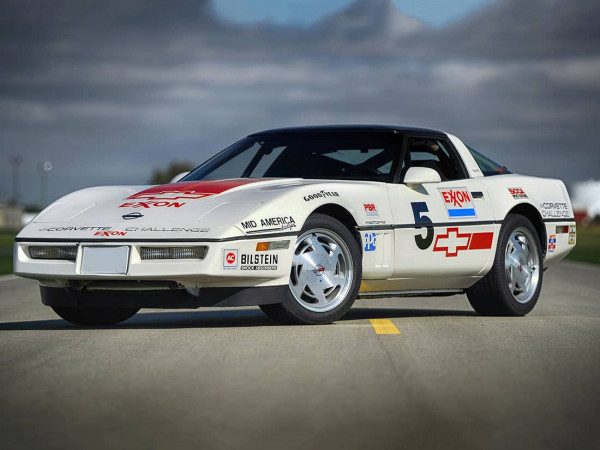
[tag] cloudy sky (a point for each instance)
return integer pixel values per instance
(107, 90)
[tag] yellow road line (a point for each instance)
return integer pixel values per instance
(384, 326)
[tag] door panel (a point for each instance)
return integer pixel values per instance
(444, 229)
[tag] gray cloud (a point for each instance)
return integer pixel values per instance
(108, 90)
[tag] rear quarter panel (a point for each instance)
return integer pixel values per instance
(550, 199)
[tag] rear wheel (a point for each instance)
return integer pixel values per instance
(512, 287)
(94, 316)
(325, 275)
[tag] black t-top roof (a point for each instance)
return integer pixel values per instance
(347, 129)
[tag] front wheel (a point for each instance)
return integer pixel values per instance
(325, 276)
(512, 287)
(94, 316)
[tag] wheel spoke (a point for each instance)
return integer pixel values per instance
(298, 289)
(335, 255)
(320, 296)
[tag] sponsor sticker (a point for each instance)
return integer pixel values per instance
(572, 235)
(270, 224)
(167, 230)
(452, 242)
(321, 194)
(174, 195)
(554, 210)
(371, 209)
(551, 243)
(258, 261)
(230, 258)
(111, 233)
(152, 204)
(458, 202)
(60, 229)
(370, 242)
(517, 192)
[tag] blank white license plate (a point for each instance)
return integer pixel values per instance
(105, 260)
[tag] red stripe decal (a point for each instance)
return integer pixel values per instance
(481, 241)
(190, 190)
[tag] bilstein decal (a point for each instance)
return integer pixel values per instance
(258, 261)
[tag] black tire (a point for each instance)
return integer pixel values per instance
(291, 311)
(491, 295)
(94, 316)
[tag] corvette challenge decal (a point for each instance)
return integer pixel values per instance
(176, 195)
(453, 241)
(555, 210)
(458, 202)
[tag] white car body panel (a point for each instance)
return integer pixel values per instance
(461, 250)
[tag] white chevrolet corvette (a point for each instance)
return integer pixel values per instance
(301, 222)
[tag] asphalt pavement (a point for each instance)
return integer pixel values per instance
(230, 378)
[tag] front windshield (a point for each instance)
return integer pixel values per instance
(343, 156)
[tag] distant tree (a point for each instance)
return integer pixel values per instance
(163, 176)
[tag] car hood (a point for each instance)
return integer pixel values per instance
(196, 208)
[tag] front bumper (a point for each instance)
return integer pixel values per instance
(211, 271)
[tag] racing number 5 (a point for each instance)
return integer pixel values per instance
(423, 242)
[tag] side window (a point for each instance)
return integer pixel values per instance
(435, 154)
(487, 166)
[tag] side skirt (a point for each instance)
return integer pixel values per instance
(416, 293)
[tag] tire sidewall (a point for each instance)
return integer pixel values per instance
(316, 221)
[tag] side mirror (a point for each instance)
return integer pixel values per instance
(420, 175)
(178, 177)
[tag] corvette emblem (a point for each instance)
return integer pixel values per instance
(319, 270)
(133, 215)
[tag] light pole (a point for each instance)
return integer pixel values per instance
(15, 162)
(44, 168)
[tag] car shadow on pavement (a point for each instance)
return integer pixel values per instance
(226, 318)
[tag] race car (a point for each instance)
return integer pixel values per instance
(301, 222)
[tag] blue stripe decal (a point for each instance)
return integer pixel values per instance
(466, 212)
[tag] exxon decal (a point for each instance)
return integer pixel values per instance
(458, 202)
